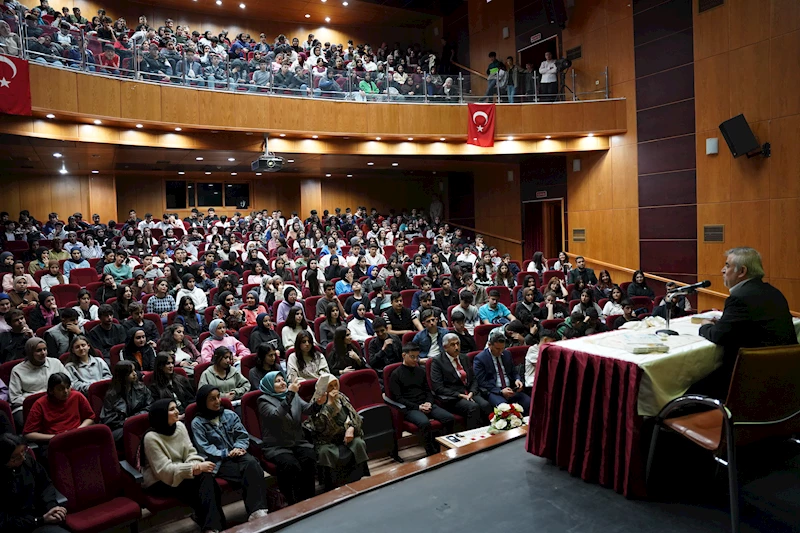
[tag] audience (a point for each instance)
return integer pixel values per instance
(170, 385)
(31, 376)
(83, 367)
(126, 397)
(220, 339)
(343, 358)
(224, 376)
(306, 362)
(106, 334)
(497, 377)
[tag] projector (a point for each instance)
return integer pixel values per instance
(267, 163)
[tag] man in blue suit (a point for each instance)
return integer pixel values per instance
(430, 339)
(497, 378)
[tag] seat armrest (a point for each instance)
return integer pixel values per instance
(691, 400)
(393, 403)
(60, 499)
(255, 441)
(135, 474)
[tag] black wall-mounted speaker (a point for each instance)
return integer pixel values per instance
(739, 136)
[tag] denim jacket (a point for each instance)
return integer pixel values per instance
(214, 441)
(423, 340)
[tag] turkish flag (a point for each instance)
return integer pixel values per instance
(480, 131)
(15, 86)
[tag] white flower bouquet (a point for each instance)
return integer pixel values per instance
(505, 417)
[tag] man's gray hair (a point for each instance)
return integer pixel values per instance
(748, 258)
(497, 335)
(450, 337)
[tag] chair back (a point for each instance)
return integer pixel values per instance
(85, 467)
(156, 319)
(114, 355)
(387, 376)
(27, 404)
(5, 409)
(6, 368)
(518, 354)
(482, 334)
(764, 395)
(408, 337)
(309, 306)
(244, 335)
(247, 363)
(133, 431)
(408, 297)
(65, 292)
(83, 276)
(306, 391)
(198, 371)
(250, 417)
(366, 347)
(505, 294)
(362, 388)
(96, 394)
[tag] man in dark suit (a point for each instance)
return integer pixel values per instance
(582, 271)
(453, 382)
(496, 375)
(756, 314)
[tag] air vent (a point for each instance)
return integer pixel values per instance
(574, 53)
(705, 5)
(714, 233)
(579, 235)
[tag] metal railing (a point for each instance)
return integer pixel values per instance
(135, 58)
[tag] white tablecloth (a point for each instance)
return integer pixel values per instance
(666, 375)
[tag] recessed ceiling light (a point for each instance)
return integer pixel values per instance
(349, 175)
(411, 138)
(242, 6)
(345, 4)
(282, 135)
(548, 137)
(95, 172)
(590, 135)
(308, 16)
(140, 126)
(219, 2)
(327, 19)
(258, 173)
(198, 158)
(57, 155)
(370, 164)
(377, 138)
(395, 164)
(231, 159)
(442, 139)
(233, 174)
(511, 138)
(178, 129)
(181, 173)
(208, 173)
(327, 175)
(315, 136)
(50, 115)
(290, 160)
(98, 122)
(63, 170)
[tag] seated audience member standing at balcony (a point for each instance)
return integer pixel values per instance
(409, 387)
(497, 377)
(10, 43)
(453, 382)
(582, 272)
(638, 286)
(549, 82)
(493, 72)
(495, 312)
(214, 73)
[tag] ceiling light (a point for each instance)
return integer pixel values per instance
(349, 175)
(590, 135)
(97, 122)
(231, 159)
(395, 164)
(198, 158)
(315, 136)
(177, 129)
(345, 4)
(208, 173)
(282, 135)
(548, 137)
(290, 160)
(511, 138)
(327, 175)
(308, 16)
(57, 154)
(242, 6)
(442, 138)
(181, 173)
(377, 138)
(258, 173)
(327, 19)
(219, 2)
(140, 126)
(233, 174)
(63, 168)
(370, 164)
(95, 172)
(50, 115)
(411, 138)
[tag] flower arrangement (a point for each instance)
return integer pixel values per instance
(505, 417)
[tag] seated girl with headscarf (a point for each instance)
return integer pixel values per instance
(222, 439)
(360, 326)
(218, 338)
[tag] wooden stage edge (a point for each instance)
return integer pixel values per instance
(294, 513)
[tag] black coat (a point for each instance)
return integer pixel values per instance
(28, 494)
(446, 382)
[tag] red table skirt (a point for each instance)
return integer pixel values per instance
(584, 418)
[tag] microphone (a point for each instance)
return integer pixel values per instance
(692, 288)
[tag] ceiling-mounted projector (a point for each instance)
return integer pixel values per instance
(268, 162)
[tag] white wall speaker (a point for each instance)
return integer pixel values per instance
(712, 146)
(576, 165)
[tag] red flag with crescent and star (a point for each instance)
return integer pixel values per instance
(480, 131)
(15, 86)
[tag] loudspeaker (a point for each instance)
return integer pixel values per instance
(739, 136)
(556, 12)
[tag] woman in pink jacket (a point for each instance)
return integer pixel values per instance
(220, 338)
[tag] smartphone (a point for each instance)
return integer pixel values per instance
(452, 439)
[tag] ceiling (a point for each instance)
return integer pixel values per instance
(30, 155)
(404, 13)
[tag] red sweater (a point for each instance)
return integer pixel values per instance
(105, 62)
(51, 417)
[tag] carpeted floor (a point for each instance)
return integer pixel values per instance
(507, 489)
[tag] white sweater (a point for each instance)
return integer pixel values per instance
(27, 379)
(170, 459)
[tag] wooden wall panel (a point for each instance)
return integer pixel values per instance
(785, 16)
(711, 32)
(713, 172)
(180, 105)
(98, 96)
(748, 96)
(486, 23)
(140, 101)
(709, 76)
(749, 20)
(60, 92)
(310, 195)
(143, 196)
(785, 66)
(102, 197)
(497, 206)
(785, 172)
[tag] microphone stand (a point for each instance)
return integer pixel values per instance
(669, 304)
